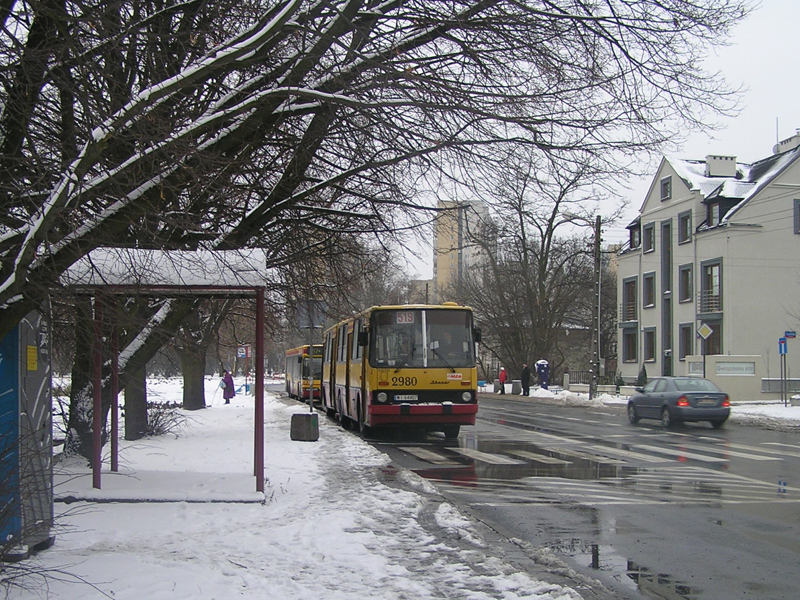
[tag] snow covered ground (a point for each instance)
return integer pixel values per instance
(182, 519)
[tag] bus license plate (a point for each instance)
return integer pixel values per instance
(405, 398)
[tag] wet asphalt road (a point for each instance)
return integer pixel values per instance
(687, 513)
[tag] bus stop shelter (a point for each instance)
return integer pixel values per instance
(113, 273)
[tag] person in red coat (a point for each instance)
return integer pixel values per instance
(502, 377)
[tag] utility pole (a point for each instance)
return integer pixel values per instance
(596, 314)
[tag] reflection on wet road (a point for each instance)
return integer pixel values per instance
(634, 489)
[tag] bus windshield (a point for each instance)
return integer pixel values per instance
(421, 338)
(316, 367)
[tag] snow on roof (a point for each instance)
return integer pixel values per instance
(137, 267)
(749, 179)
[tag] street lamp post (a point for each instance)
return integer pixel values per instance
(596, 315)
(595, 362)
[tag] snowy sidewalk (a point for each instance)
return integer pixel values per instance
(330, 526)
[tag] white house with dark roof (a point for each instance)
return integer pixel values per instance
(716, 243)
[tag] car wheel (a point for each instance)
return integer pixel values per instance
(666, 417)
(717, 424)
(633, 416)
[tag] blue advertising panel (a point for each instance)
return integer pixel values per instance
(10, 523)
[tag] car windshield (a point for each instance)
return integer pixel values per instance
(694, 384)
(422, 338)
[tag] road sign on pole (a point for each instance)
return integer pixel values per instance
(782, 346)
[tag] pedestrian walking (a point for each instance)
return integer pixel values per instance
(226, 384)
(526, 379)
(502, 378)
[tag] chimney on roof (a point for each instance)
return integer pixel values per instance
(787, 144)
(720, 166)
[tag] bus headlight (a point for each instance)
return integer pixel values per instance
(382, 397)
(466, 396)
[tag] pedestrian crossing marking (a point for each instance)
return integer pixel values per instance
(427, 455)
(492, 459)
(548, 460)
(628, 454)
(585, 456)
(724, 450)
(780, 444)
(679, 453)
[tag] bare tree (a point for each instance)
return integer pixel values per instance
(327, 108)
(188, 125)
(535, 284)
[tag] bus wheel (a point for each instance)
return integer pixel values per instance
(451, 431)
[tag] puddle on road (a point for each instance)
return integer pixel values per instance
(494, 459)
(630, 575)
(560, 459)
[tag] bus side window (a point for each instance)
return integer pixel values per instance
(342, 350)
(357, 329)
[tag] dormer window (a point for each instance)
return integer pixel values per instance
(666, 188)
(713, 215)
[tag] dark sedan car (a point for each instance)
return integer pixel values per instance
(676, 399)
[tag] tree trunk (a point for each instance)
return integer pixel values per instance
(79, 420)
(136, 405)
(193, 364)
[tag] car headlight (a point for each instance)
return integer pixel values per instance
(466, 396)
(382, 397)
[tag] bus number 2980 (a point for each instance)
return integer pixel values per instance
(404, 381)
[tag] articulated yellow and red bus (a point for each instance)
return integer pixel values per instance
(403, 365)
(304, 363)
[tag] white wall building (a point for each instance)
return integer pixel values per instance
(717, 242)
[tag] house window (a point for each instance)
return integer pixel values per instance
(649, 290)
(713, 343)
(685, 283)
(649, 344)
(711, 287)
(685, 227)
(713, 215)
(628, 308)
(635, 237)
(666, 188)
(629, 350)
(649, 237)
(797, 216)
(685, 340)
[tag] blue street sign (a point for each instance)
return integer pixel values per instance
(782, 345)
(790, 334)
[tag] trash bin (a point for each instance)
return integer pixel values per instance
(305, 427)
(516, 387)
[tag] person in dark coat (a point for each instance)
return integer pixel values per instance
(526, 379)
(228, 390)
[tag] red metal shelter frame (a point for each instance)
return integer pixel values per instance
(100, 291)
